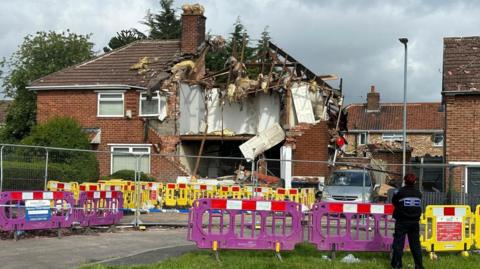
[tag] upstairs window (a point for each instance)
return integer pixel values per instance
(392, 137)
(152, 107)
(437, 140)
(156, 107)
(362, 139)
(110, 104)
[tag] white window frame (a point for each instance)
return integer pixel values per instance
(99, 98)
(157, 97)
(392, 136)
(436, 144)
(130, 151)
(359, 139)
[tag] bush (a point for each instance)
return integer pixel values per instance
(31, 175)
(129, 175)
(66, 165)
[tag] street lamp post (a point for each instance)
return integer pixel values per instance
(404, 41)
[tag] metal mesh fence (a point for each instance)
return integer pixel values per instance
(29, 168)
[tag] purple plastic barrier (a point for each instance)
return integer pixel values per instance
(351, 226)
(99, 208)
(245, 224)
(35, 210)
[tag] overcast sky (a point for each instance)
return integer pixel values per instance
(357, 40)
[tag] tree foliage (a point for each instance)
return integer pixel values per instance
(38, 55)
(123, 38)
(61, 132)
(64, 132)
(215, 61)
(165, 24)
(162, 25)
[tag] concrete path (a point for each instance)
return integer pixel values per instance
(124, 246)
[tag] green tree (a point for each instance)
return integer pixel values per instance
(123, 38)
(165, 24)
(215, 61)
(38, 55)
(64, 132)
(262, 44)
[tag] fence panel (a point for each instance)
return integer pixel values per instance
(23, 168)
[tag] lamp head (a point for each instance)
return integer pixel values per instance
(403, 40)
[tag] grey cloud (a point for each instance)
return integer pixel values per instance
(357, 40)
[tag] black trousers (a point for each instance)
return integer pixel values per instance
(412, 230)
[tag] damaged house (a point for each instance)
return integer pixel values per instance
(156, 97)
(375, 133)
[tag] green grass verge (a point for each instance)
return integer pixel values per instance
(304, 256)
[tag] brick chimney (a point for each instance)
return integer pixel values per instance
(193, 28)
(373, 100)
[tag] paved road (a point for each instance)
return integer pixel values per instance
(124, 246)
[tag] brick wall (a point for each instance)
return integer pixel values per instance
(462, 130)
(312, 145)
(82, 106)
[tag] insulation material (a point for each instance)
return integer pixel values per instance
(192, 109)
(263, 141)
(252, 116)
(163, 108)
(302, 103)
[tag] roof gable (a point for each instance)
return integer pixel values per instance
(115, 67)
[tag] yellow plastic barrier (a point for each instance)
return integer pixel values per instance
(236, 192)
(73, 187)
(293, 195)
(264, 192)
(122, 186)
(247, 192)
(477, 227)
(197, 191)
(129, 194)
(182, 197)
(307, 197)
(223, 192)
(211, 191)
(88, 186)
(170, 198)
(280, 194)
(447, 228)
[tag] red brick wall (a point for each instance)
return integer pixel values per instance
(462, 130)
(312, 145)
(82, 106)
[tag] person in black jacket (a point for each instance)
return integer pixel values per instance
(408, 208)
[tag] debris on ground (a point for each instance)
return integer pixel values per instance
(350, 259)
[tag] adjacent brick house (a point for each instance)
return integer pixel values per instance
(461, 96)
(107, 95)
(375, 130)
